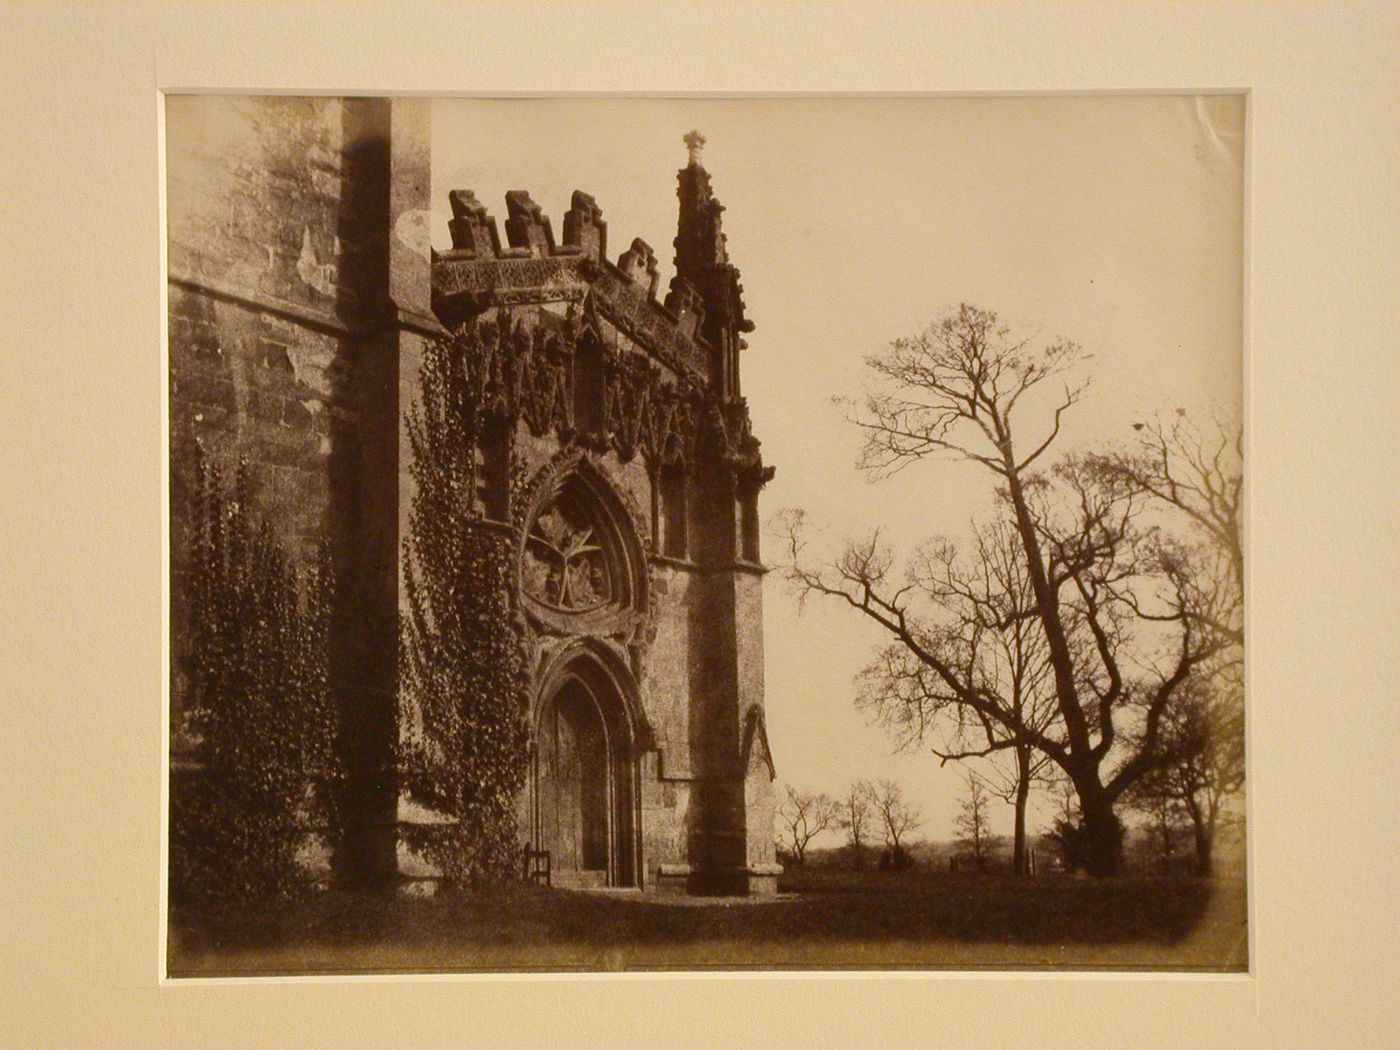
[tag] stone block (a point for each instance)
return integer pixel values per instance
(673, 879)
(584, 227)
(473, 229)
(763, 879)
(527, 226)
(638, 264)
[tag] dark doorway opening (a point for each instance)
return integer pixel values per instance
(582, 789)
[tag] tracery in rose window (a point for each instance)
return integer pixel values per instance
(565, 563)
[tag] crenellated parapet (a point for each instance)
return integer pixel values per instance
(479, 273)
(473, 230)
(527, 226)
(638, 264)
(668, 386)
(687, 305)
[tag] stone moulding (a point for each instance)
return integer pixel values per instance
(477, 274)
(602, 660)
(391, 317)
(614, 531)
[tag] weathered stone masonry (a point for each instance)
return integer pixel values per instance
(302, 293)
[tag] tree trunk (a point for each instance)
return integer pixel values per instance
(1103, 835)
(1162, 814)
(1023, 790)
(1047, 611)
(1204, 866)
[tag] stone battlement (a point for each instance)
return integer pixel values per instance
(479, 273)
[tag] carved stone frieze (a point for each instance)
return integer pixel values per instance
(521, 372)
(647, 415)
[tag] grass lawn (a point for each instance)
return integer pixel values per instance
(822, 919)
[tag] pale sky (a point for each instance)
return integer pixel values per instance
(1114, 221)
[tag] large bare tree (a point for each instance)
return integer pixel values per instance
(1113, 608)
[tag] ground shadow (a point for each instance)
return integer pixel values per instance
(904, 919)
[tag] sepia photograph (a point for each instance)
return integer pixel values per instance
(692, 525)
(546, 595)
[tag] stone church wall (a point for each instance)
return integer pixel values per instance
(294, 297)
(258, 237)
(300, 302)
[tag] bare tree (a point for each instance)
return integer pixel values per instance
(972, 819)
(1204, 739)
(1199, 474)
(986, 602)
(806, 815)
(855, 808)
(896, 814)
(1112, 609)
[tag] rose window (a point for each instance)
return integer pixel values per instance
(565, 565)
(582, 564)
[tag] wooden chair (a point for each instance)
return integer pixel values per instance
(537, 866)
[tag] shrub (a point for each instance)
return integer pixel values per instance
(466, 756)
(258, 706)
(1072, 842)
(896, 858)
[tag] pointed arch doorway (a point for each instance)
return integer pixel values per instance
(583, 780)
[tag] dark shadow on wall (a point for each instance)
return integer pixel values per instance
(363, 504)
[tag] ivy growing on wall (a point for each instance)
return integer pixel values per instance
(466, 755)
(259, 704)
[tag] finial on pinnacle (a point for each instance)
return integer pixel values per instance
(695, 142)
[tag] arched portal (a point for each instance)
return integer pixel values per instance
(583, 782)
